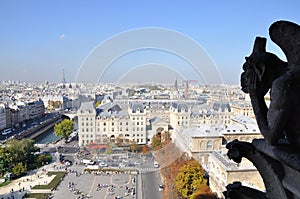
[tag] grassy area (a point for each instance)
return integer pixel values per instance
(53, 184)
(37, 195)
(4, 183)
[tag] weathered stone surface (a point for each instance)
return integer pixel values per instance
(277, 157)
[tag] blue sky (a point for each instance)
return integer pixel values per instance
(41, 38)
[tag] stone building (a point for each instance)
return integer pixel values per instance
(112, 122)
(223, 171)
(198, 142)
(180, 115)
(2, 117)
(243, 108)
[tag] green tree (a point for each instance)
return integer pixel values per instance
(98, 103)
(19, 169)
(42, 159)
(64, 128)
(20, 150)
(190, 178)
(156, 142)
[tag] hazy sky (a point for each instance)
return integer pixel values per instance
(41, 38)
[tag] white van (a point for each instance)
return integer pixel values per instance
(155, 164)
(90, 162)
(6, 131)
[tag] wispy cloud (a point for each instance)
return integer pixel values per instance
(62, 36)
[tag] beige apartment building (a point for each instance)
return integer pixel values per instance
(111, 122)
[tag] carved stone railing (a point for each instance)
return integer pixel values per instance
(279, 167)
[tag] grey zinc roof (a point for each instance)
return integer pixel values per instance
(87, 107)
(180, 106)
(136, 106)
(222, 106)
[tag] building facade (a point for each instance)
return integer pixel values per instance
(111, 122)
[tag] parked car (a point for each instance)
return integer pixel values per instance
(68, 162)
(160, 187)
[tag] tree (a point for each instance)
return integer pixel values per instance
(145, 149)
(19, 169)
(190, 178)
(20, 150)
(133, 146)
(98, 103)
(156, 142)
(64, 128)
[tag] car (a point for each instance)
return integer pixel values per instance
(68, 162)
(6, 131)
(160, 187)
(122, 165)
(103, 164)
(137, 163)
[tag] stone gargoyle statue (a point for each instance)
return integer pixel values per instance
(263, 72)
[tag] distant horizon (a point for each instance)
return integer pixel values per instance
(193, 40)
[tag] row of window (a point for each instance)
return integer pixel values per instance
(121, 135)
(113, 129)
(87, 141)
(112, 124)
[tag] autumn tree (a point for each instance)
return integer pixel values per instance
(145, 149)
(64, 128)
(190, 178)
(133, 146)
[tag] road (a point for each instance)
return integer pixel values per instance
(150, 182)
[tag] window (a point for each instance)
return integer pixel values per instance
(112, 129)
(137, 123)
(87, 130)
(86, 119)
(126, 123)
(133, 118)
(209, 145)
(104, 129)
(104, 124)
(120, 123)
(137, 118)
(82, 124)
(120, 129)
(142, 128)
(142, 123)
(133, 129)
(112, 123)
(137, 128)
(126, 129)
(133, 123)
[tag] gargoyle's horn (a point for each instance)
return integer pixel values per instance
(259, 45)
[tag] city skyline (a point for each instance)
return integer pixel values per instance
(41, 39)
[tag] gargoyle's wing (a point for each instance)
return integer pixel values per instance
(287, 36)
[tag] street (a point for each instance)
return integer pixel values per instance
(150, 183)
